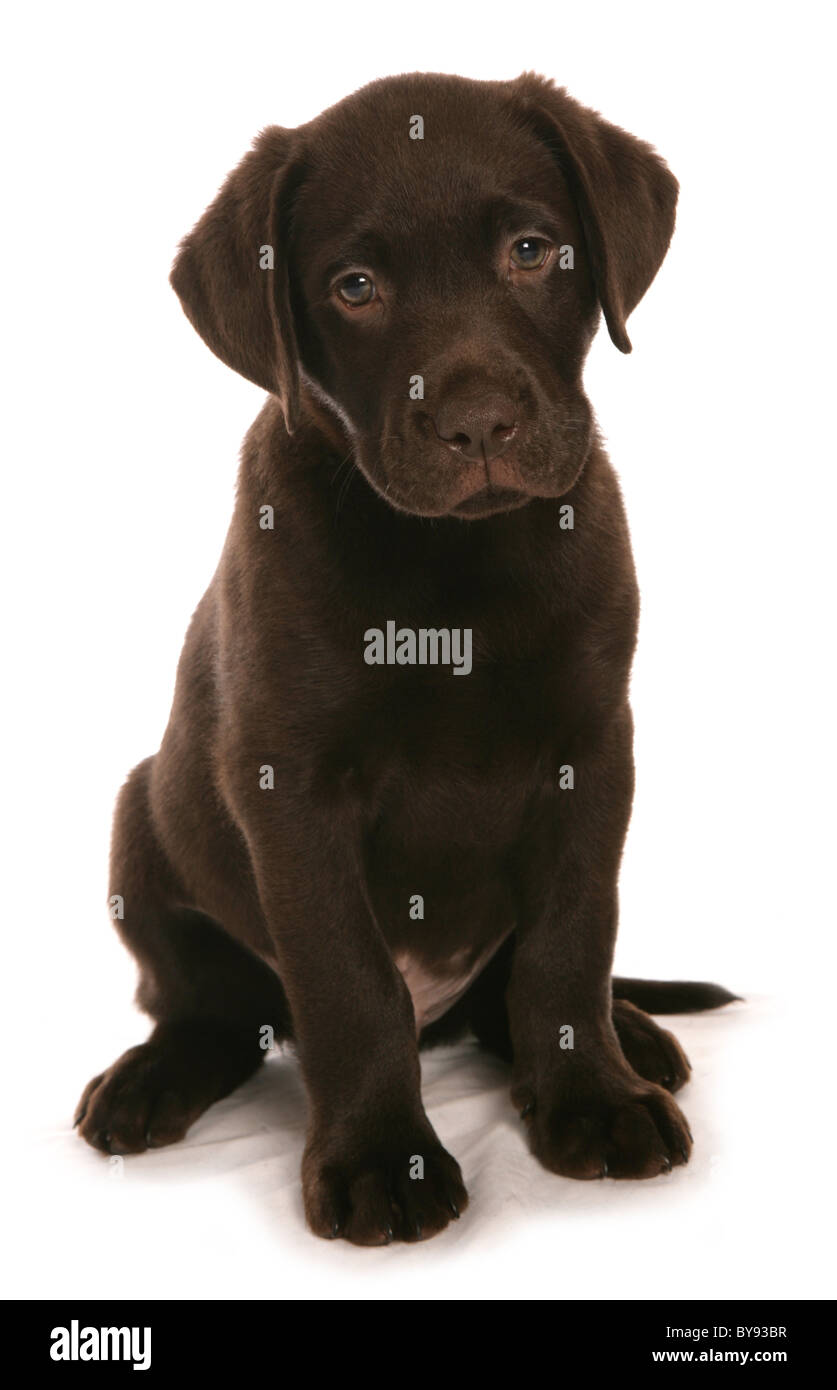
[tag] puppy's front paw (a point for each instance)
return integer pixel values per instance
(632, 1132)
(403, 1186)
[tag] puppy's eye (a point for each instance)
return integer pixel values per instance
(529, 253)
(355, 290)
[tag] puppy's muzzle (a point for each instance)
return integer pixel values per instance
(477, 425)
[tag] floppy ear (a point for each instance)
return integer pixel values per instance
(625, 194)
(231, 271)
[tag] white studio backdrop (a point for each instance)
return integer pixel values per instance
(120, 459)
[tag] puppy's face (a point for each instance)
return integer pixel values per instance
(439, 253)
(444, 300)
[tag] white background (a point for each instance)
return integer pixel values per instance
(119, 473)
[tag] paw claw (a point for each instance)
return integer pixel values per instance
(628, 1131)
(368, 1199)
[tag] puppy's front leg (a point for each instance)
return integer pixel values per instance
(589, 1114)
(373, 1168)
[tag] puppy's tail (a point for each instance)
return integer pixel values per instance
(672, 996)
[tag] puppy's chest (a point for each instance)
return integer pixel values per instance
(458, 793)
(460, 758)
(461, 766)
(438, 870)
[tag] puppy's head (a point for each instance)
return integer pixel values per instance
(429, 259)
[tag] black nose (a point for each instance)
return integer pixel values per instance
(478, 426)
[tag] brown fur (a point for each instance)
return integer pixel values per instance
(288, 907)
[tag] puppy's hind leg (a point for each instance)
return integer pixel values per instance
(208, 995)
(652, 1052)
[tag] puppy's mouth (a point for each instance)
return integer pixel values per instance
(489, 500)
(427, 479)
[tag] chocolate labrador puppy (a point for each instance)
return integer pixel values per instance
(391, 799)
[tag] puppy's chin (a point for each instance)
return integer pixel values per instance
(437, 486)
(434, 498)
(489, 501)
